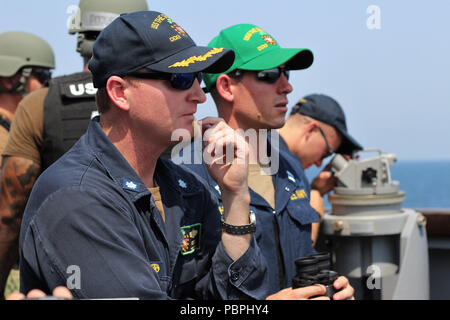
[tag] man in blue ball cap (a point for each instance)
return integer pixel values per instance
(111, 219)
(316, 129)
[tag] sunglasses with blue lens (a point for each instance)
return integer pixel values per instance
(269, 76)
(180, 81)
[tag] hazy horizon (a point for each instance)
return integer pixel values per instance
(386, 62)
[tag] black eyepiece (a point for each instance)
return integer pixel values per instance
(314, 269)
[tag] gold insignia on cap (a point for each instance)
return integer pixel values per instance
(175, 38)
(194, 59)
(262, 47)
(160, 18)
(267, 38)
(251, 32)
(178, 29)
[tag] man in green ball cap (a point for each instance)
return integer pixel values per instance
(251, 96)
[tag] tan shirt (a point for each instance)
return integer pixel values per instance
(158, 202)
(262, 184)
(26, 133)
(3, 132)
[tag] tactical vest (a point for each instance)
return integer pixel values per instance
(68, 108)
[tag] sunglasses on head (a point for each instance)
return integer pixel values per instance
(43, 75)
(269, 76)
(180, 81)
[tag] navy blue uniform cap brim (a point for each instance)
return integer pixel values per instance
(348, 144)
(196, 59)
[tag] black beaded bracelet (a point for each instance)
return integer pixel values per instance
(241, 230)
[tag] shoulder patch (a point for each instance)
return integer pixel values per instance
(191, 238)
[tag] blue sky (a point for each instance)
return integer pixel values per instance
(393, 82)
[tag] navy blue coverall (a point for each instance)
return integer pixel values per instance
(92, 225)
(282, 233)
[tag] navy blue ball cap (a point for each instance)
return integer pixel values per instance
(150, 39)
(327, 110)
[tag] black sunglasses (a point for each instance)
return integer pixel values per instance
(329, 149)
(43, 75)
(269, 76)
(180, 81)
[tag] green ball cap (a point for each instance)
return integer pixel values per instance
(255, 49)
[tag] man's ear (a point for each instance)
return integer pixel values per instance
(311, 127)
(223, 86)
(116, 86)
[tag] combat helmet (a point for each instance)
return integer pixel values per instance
(21, 49)
(94, 15)
(23, 52)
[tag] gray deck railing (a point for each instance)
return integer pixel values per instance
(438, 233)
